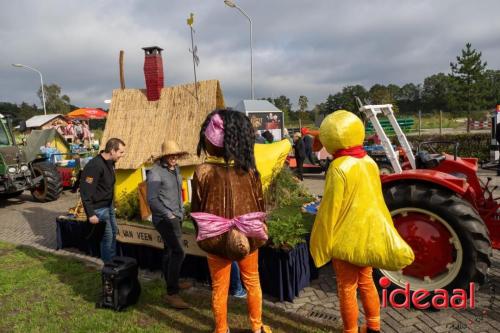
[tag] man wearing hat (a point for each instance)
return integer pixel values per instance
(164, 185)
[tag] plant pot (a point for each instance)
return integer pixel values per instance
(283, 274)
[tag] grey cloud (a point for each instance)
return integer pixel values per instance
(300, 47)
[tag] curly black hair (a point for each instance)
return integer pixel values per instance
(239, 139)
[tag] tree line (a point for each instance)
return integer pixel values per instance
(469, 86)
(55, 102)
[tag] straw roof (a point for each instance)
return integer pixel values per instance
(144, 125)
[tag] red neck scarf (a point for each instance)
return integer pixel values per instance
(357, 152)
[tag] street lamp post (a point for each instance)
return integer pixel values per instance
(41, 81)
(232, 4)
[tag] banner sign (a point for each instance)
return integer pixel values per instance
(267, 121)
(146, 235)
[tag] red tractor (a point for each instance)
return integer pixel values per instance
(443, 211)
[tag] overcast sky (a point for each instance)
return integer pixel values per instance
(311, 48)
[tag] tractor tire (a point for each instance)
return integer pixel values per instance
(450, 240)
(385, 168)
(50, 188)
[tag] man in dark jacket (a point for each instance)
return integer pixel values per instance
(300, 154)
(97, 187)
(165, 200)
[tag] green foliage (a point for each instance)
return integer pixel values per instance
(438, 93)
(19, 112)
(469, 86)
(302, 111)
(343, 100)
(492, 91)
(468, 74)
(42, 292)
(380, 94)
(127, 206)
(470, 145)
(286, 190)
(303, 101)
(286, 232)
(54, 102)
(285, 197)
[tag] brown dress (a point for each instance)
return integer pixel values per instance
(228, 192)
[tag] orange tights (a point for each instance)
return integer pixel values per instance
(349, 279)
(220, 270)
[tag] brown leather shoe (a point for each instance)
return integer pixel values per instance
(185, 285)
(176, 302)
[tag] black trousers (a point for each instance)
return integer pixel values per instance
(173, 253)
(300, 168)
(310, 156)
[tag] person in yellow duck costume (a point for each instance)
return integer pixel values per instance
(353, 227)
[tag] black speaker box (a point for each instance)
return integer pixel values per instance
(120, 284)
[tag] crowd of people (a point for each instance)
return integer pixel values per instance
(75, 131)
(228, 210)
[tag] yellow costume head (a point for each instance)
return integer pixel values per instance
(340, 130)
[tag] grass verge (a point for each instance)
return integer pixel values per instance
(41, 292)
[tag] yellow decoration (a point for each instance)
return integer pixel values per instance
(341, 129)
(270, 158)
(127, 182)
(353, 222)
(190, 19)
(185, 197)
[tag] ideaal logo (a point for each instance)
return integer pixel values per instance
(419, 299)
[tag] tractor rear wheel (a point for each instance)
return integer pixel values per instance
(50, 187)
(450, 241)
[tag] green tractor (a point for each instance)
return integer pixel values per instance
(18, 174)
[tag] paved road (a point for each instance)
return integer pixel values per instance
(23, 221)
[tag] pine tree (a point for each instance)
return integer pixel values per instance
(469, 77)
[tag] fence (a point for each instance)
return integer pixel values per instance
(406, 125)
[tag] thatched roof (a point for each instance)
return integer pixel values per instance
(144, 125)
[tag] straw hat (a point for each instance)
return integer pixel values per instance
(169, 147)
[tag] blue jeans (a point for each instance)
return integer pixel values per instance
(235, 286)
(108, 243)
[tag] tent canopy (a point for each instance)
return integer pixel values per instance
(87, 113)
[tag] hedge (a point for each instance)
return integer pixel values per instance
(469, 145)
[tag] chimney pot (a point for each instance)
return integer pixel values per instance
(153, 72)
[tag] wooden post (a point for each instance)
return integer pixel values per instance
(440, 122)
(122, 76)
(419, 123)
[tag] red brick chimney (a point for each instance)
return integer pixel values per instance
(153, 72)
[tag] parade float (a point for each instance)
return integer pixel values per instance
(144, 119)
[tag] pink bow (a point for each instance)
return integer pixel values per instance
(215, 131)
(209, 225)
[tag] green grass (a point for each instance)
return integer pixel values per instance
(432, 121)
(40, 292)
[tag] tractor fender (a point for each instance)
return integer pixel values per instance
(445, 180)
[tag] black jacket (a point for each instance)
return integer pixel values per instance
(97, 184)
(299, 150)
(497, 133)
